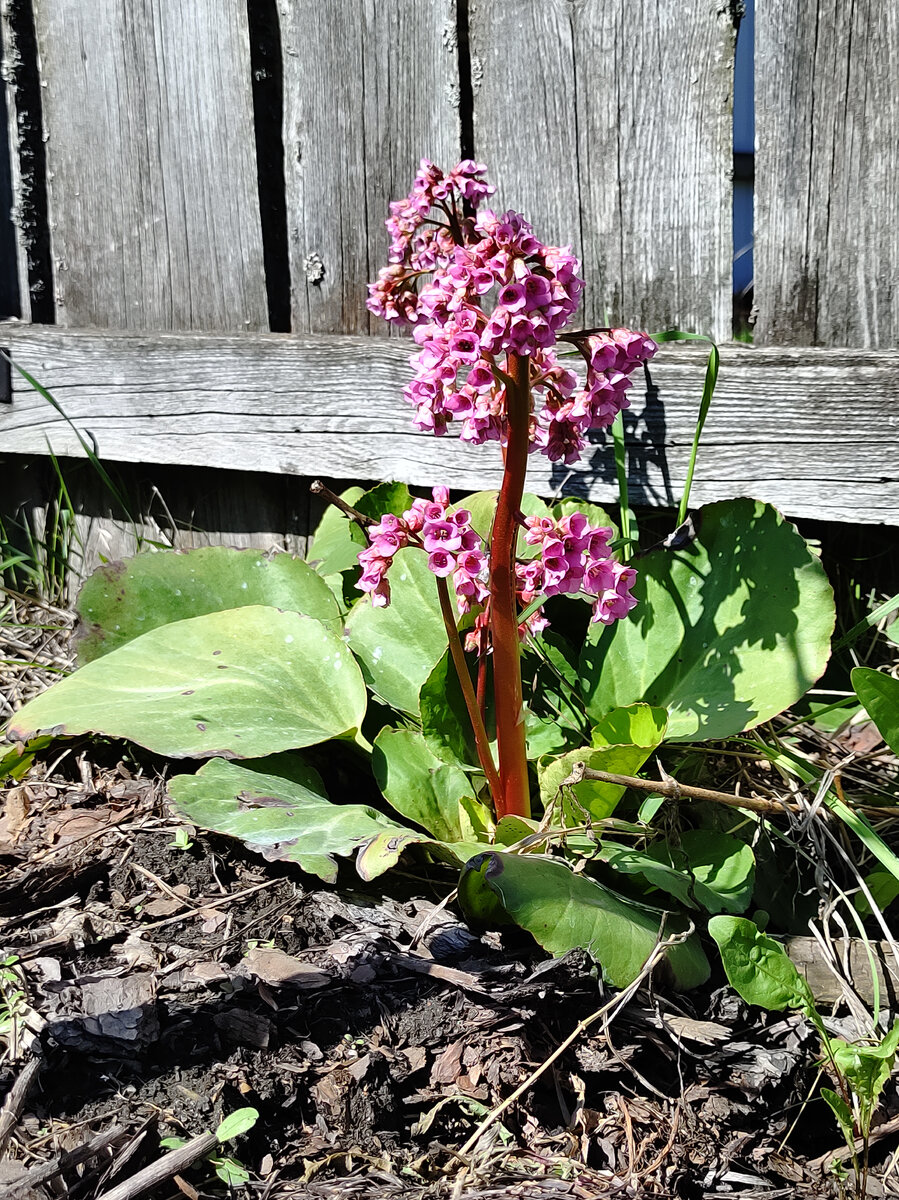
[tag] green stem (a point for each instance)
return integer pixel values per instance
(510, 729)
(624, 510)
(471, 701)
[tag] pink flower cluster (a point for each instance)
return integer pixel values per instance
(574, 557)
(496, 290)
(452, 546)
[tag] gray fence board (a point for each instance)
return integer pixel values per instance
(332, 406)
(151, 164)
(369, 89)
(609, 126)
(827, 173)
(14, 295)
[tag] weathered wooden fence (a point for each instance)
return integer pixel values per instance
(197, 191)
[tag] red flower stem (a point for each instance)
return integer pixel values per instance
(471, 701)
(510, 731)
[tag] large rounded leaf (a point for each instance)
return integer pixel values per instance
(419, 786)
(123, 600)
(400, 645)
(242, 683)
(565, 911)
(285, 816)
(730, 630)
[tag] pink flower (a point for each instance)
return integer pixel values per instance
(441, 563)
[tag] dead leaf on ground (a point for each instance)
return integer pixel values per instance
(15, 817)
(278, 969)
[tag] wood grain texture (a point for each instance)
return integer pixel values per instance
(151, 164)
(164, 505)
(16, 300)
(827, 173)
(609, 127)
(854, 957)
(370, 88)
(333, 406)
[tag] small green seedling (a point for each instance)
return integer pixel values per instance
(229, 1169)
(759, 968)
(181, 840)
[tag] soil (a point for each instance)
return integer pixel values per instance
(166, 984)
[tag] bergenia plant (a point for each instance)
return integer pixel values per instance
(488, 303)
(253, 661)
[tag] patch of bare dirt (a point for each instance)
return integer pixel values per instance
(160, 986)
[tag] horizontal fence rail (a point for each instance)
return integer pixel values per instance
(333, 406)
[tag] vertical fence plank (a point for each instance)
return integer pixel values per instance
(827, 173)
(14, 294)
(151, 164)
(369, 88)
(609, 125)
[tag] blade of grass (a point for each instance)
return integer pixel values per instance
(88, 449)
(883, 610)
(708, 392)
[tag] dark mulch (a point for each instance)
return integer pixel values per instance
(165, 987)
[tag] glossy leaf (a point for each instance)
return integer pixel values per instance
(879, 693)
(758, 967)
(444, 717)
(722, 867)
(337, 541)
(565, 911)
(285, 817)
(400, 645)
(240, 1121)
(730, 630)
(241, 683)
(123, 600)
(419, 786)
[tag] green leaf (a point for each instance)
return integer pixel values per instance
(389, 497)
(758, 967)
(843, 1114)
(444, 717)
(599, 800)
(867, 1068)
(123, 600)
(654, 869)
(880, 695)
(230, 1171)
(482, 506)
(723, 868)
(883, 886)
(564, 911)
(236, 1123)
(635, 725)
(285, 819)
(595, 515)
(16, 763)
(337, 541)
(730, 629)
(400, 645)
(419, 786)
(241, 683)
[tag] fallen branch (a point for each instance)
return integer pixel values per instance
(678, 791)
(164, 1168)
(26, 1187)
(18, 1094)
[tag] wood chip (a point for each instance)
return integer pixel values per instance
(278, 969)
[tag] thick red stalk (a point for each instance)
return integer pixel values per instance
(510, 731)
